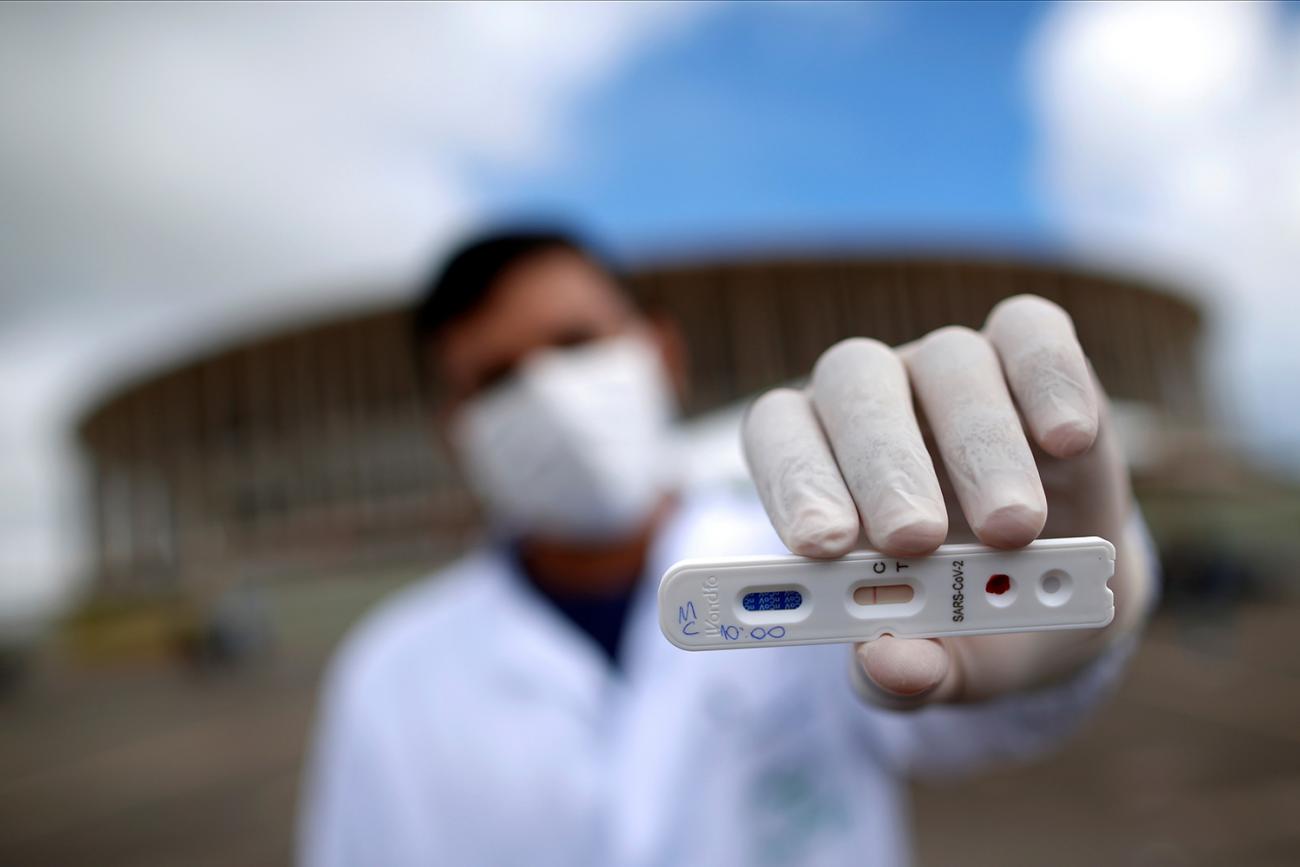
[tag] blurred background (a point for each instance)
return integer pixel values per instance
(213, 458)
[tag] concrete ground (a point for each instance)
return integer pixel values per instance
(1196, 762)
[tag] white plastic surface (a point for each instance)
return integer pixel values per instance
(957, 590)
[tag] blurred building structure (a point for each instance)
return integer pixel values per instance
(311, 449)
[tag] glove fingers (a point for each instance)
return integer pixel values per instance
(861, 395)
(1048, 373)
(961, 389)
(796, 476)
(907, 672)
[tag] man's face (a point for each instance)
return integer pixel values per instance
(554, 298)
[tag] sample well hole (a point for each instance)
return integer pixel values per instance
(1055, 588)
(998, 584)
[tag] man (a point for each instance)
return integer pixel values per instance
(521, 707)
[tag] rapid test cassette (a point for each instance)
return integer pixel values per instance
(957, 590)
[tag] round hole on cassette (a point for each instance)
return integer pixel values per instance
(1055, 588)
(1000, 590)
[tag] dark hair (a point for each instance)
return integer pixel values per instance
(464, 282)
(466, 279)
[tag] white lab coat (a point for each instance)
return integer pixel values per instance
(467, 722)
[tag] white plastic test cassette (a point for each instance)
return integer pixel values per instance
(958, 590)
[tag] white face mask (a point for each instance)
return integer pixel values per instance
(573, 446)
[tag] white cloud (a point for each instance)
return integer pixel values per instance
(1171, 140)
(172, 173)
(154, 149)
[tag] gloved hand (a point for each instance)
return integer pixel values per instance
(852, 454)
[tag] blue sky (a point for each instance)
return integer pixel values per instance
(780, 122)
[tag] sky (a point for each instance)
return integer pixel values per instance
(793, 124)
(175, 176)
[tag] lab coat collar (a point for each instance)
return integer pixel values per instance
(534, 651)
(538, 651)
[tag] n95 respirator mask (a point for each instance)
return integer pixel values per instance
(574, 445)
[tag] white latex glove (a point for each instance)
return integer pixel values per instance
(852, 454)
